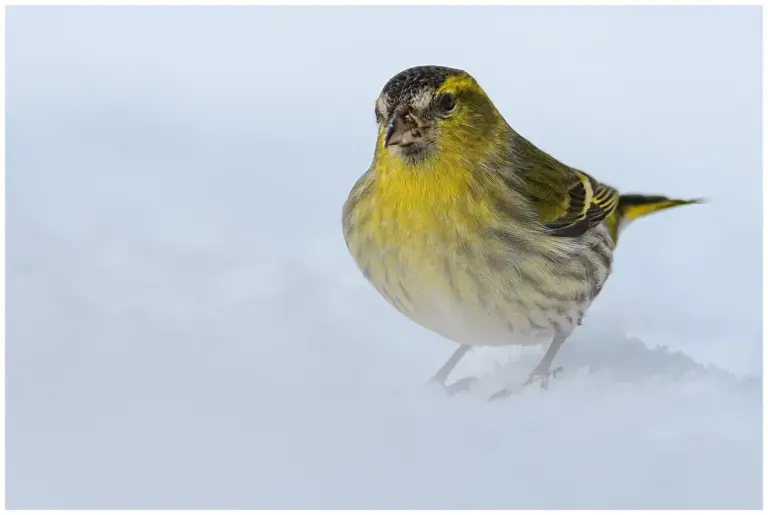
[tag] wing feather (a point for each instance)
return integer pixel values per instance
(573, 203)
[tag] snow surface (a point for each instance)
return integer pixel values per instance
(186, 329)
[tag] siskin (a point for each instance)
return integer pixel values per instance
(470, 230)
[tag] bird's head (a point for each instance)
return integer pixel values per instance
(432, 111)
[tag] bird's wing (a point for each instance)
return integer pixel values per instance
(568, 201)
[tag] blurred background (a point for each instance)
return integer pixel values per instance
(185, 328)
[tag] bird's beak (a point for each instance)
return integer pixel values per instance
(400, 131)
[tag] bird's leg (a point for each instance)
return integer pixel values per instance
(542, 370)
(442, 375)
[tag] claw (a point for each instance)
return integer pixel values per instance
(503, 394)
(536, 374)
(460, 386)
(543, 377)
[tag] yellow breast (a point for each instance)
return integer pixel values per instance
(417, 238)
(410, 216)
(425, 239)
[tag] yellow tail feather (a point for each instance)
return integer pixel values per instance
(631, 207)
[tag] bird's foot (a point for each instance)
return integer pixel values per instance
(506, 392)
(461, 386)
(542, 375)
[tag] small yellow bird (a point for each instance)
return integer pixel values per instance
(470, 230)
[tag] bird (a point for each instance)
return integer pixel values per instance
(473, 232)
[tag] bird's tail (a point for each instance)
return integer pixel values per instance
(631, 207)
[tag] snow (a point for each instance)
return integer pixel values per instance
(185, 328)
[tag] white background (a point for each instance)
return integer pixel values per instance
(187, 330)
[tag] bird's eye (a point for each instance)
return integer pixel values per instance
(446, 101)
